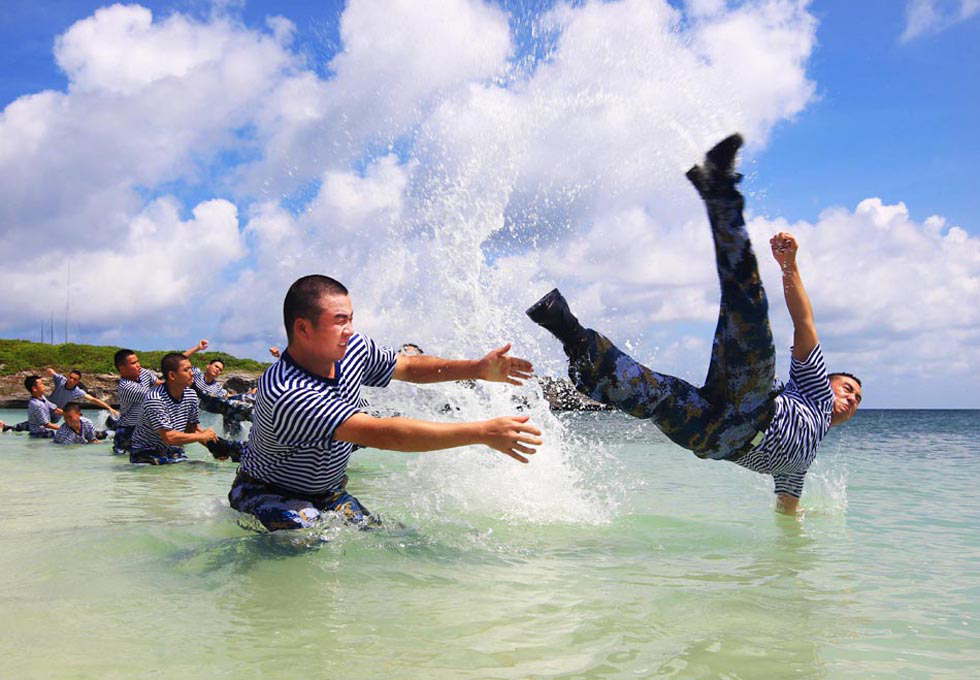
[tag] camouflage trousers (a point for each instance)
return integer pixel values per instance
(233, 411)
(279, 508)
(735, 403)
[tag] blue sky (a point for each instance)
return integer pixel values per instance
(852, 110)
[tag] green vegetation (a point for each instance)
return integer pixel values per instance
(23, 355)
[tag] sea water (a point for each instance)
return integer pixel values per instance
(614, 554)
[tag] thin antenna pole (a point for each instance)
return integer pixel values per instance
(67, 300)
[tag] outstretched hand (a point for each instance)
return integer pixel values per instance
(784, 247)
(511, 435)
(496, 366)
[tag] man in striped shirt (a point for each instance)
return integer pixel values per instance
(234, 409)
(737, 415)
(169, 417)
(40, 409)
(76, 429)
(307, 419)
(134, 382)
(67, 388)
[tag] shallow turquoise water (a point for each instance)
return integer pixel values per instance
(614, 555)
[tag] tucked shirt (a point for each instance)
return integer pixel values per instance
(801, 421)
(40, 411)
(162, 412)
(213, 389)
(131, 394)
(66, 435)
(291, 443)
(61, 395)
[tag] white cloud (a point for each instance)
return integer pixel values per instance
(147, 104)
(155, 272)
(399, 58)
(569, 173)
(928, 17)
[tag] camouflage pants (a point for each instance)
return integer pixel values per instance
(233, 411)
(736, 401)
(279, 508)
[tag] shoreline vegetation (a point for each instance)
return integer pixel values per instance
(20, 358)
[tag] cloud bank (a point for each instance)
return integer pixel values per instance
(449, 174)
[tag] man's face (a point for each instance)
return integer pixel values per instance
(334, 327)
(131, 367)
(73, 417)
(183, 376)
(38, 389)
(72, 381)
(212, 371)
(847, 398)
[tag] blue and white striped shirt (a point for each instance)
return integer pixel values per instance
(213, 389)
(162, 412)
(60, 395)
(801, 421)
(40, 412)
(131, 394)
(66, 435)
(292, 443)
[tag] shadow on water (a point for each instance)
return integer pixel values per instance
(239, 554)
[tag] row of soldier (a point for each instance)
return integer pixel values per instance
(58, 415)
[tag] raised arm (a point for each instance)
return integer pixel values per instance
(199, 347)
(805, 338)
(509, 435)
(496, 366)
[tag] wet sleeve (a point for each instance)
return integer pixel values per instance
(810, 377)
(790, 483)
(62, 435)
(59, 380)
(88, 430)
(155, 415)
(379, 364)
(194, 416)
(37, 413)
(310, 417)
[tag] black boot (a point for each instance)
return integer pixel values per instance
(716, 176)
(552, 313)
(222, 449)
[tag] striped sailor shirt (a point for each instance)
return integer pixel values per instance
(801, 421)
(40, 412)
(66, 435)
(296, 413)
(162, 412)
(212, 389)
(131, 394)
(60, 395)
